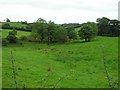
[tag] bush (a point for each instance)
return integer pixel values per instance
(88, 31)
(72, 34)
(4, 42)
(31, 39)
(12, 39)
(12, 36)
(61, 35)
(23, 38)
(6, 26)
(14, 32)
(48, 32)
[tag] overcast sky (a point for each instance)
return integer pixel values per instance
(59, 11)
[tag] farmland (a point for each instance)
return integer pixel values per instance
(15, 24)
(73, 64)
(19, 33)
(59, 44)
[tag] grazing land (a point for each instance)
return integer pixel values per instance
(19, 33)
(15, 24)
(73, 64)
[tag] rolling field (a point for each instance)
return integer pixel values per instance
(70, 65)
(15, 24)
(19, 33)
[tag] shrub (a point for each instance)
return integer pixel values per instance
(48, 32)
(4, 42)
(31, 39)
(72, 34)
(88, 31)
(14, 32)
(12, 36)
(23, 38)
(61, 35)
(12, 39)
(6, 26)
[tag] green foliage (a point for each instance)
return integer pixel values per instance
(19, 33)
(108, 27)
(4, 42)
(14, 32)
(51, 32)
(48, 32)
(33, 38)
(12, 36)
(29, 27)
(6, 25)
(40, 29)
(23, 38)
(17, 26)
(61, 35)
(88, 31)
(103, 26)
(7, 20)
(71, 33)
(114, 27)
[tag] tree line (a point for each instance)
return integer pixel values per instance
(49, 32)
(108, 27)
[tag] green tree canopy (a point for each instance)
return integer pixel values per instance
(72, 34)
(60, 34)
(88, 31)
(12, 36)
(40, 29)
(108, 27)
(48, 32)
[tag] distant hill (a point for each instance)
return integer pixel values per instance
(75, 25)
(23, 26)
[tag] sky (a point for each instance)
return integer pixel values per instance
(59, 11)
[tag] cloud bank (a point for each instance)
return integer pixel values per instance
(59, 11)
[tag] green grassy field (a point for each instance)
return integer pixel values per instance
(77, 29)
(15, 24)
(19, 33)
(70, 65)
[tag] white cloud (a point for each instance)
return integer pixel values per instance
(60, 11)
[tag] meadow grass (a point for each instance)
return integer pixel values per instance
(15, 24)
(19, 33)
(77, 29)
(70, 65)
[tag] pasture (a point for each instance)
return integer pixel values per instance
(19, 33)
(70, 65)
(15, 24)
